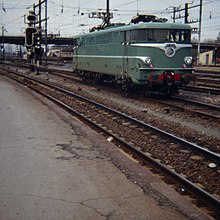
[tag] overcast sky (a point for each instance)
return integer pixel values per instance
(71, 17)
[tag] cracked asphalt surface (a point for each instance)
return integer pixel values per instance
(52, 170)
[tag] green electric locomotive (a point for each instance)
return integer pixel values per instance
(147, 56)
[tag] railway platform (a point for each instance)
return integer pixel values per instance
(52, 166)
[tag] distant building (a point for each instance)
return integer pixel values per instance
(207, 58)
(60, 51)
(211, 57)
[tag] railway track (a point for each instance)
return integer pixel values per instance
(190, 165)
(185, 105)
(201, 89)
(200, 108)
(206, 81)
(207, 110)
(207, 71)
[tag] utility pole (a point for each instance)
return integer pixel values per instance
(38, 49)
(200, 29)
(107, 13)
(188, 21)
(186, 13)
(3, 42)
(137, 8)
(40, 35)
(174, 14)
(46, 46)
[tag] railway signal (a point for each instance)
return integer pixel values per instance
(30, 36)
(31, 17)
(38, 39)
(38, 48)
(33, 34)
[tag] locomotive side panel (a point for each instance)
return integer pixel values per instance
(102, 53)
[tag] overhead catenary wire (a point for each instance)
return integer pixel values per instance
(121, 14)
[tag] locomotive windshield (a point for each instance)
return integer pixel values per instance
(159, 35)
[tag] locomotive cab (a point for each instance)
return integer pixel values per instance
(162, 54)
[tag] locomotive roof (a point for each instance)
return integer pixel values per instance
(153, 25)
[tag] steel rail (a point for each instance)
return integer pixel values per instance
(201, 104)
(202, 195)
(191, 109)
(207, 72)
(201, 90)
(206, 105)
(208, 80)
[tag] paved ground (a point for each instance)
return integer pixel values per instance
(53, 170)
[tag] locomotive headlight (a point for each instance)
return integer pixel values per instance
(188, 60)
(148, 60)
